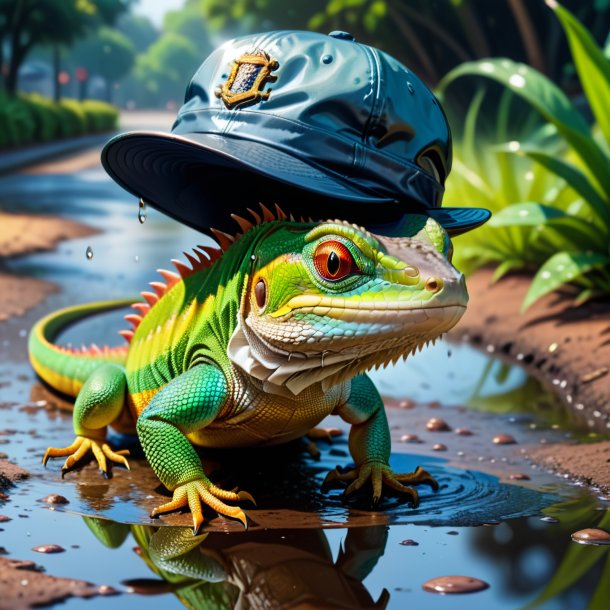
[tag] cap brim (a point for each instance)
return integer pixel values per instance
(202, 179)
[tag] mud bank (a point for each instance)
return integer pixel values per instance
(565, 347)
(23, 234)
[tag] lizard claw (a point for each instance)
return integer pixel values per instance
(380, 475)
(192, 494)
(80, 447)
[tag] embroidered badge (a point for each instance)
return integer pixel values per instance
(249, 74)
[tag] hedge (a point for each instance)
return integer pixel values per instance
(27, 119)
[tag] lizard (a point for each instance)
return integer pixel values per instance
(254, 343)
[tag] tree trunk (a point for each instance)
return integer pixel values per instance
(56, 70)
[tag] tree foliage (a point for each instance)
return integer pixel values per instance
(25, 24)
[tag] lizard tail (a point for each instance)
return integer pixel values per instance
(64, 368)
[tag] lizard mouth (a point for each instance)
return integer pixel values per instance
(327, 306)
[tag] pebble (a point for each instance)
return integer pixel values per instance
(518, 476)
(454, 584)
(409, 542)
(591, 535)
(4, 519)
(436, 424)
(410, 438)
(549, 519)
(503, 439)
(49, 548)
(406, 404)
(463, 432)
(439, 447)
(55, 499)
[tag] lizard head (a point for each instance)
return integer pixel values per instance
(325, 302)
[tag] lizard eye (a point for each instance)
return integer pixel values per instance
(333, 261)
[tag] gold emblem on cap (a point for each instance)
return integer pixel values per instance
(249, 74)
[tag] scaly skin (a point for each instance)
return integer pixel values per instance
(254, 346)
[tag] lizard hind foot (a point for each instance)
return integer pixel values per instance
(192, 494)
(79, 449)
(380, 475)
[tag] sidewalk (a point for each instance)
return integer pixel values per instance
(13, 160)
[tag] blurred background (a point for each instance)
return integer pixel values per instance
(142, 53)
(525, 84)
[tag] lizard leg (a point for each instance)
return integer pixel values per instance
(97, 405)
(188, 403)
(369, 443)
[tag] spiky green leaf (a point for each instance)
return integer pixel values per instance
(527, 213)
(561, 269)
(592, 65)
(548, 99)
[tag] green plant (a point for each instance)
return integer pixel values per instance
(580, 233)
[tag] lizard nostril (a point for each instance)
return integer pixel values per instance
(433, 284)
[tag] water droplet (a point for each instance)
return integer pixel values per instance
(503, 439)
(136, 258)
(549, 519)
(516, 80)
(454, 584)
(142, 211)
(591, 536)
(436, 424)
(487, 67)
(410, 87)
(89, 252)
(327, 59)
(553, 347)
(514, 146)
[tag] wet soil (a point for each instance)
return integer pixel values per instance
(566, 347)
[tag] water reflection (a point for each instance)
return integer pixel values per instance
(275, 569)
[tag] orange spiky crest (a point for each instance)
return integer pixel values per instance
(201, 258)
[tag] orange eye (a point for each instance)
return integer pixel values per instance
(333, 261)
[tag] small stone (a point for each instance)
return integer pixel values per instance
(55, 499)
(410, 438)
(436, 424)
(518, 476)
(439, 447)
(592, 536)
(406, 404)
(463, 432)
(453, 533)
(503, 439)
(4, 519)
(454, 584)
(409, 542)
(49, 548)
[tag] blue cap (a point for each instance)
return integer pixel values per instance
(323, 125)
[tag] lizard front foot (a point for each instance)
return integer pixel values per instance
(381, 474)
(80, 447)
(193, 493)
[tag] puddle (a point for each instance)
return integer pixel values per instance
(303, 549)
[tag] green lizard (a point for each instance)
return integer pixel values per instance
(254, 344)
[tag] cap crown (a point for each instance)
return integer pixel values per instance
(330, 101)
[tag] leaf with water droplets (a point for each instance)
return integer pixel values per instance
(525, 214)
(560, 269)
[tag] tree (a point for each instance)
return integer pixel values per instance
(108, 54)
(190, 23)
(25, 24)
(139, 30)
